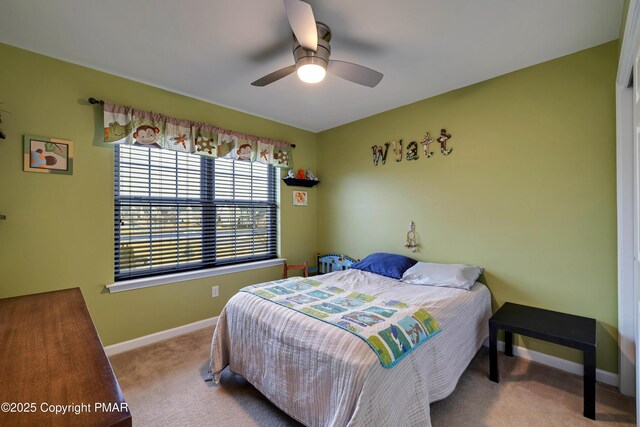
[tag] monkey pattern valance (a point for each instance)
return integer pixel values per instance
(126, 125)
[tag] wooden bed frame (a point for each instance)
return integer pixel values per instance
(334, 262)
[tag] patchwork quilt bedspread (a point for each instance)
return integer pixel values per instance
(392, 328)
(323, 375)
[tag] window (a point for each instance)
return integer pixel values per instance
(176, 212)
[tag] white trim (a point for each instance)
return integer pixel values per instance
(545, 359)
(605, 377)
(127, 285)
(627, 334)
(624, 171)
(629, 41)
(535, 356)
(121, 347)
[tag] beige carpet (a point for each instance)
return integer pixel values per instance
(163, 384)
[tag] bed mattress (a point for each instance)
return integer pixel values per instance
(322, 375)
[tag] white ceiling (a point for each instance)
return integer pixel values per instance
(214, 49)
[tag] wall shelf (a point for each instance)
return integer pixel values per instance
(300, 182)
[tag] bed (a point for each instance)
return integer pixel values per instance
(322, 375)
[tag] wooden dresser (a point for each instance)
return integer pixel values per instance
(51, 359)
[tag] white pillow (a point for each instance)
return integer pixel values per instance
(461, 276)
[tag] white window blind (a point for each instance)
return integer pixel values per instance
(177, 211)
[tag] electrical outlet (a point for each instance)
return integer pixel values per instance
(214, 291)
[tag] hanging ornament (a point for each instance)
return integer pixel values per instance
(411, 238)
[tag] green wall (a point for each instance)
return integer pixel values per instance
(59, 231)
(528, 192)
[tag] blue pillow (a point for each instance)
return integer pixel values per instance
(390, 265)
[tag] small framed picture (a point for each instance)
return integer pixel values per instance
(299, 198)
(47, 155)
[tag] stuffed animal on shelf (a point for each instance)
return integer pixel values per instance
(291, 174)
(301, 174)
(311, 176)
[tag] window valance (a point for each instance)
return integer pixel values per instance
(126, 125)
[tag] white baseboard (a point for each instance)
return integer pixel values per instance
(605, 377)
(121, 347)
(545, 359)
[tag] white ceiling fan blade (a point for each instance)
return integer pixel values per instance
(355, 73)
(275, 76)
(302, 23)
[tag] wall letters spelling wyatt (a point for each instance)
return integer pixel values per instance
(380, 151)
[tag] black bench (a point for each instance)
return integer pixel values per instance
(559, 328)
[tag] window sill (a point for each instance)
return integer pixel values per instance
(128, 285)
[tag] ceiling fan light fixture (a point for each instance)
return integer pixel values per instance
(311, 73)
(311, 52)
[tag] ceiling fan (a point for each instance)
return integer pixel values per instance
(311, 51)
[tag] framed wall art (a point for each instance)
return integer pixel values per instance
(47, 155)
(299, 198)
